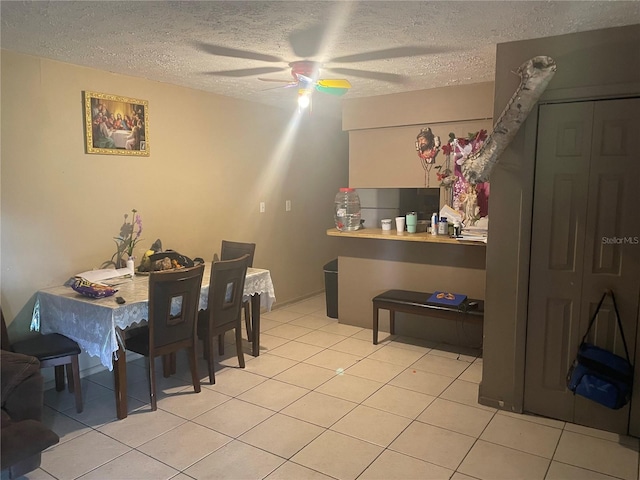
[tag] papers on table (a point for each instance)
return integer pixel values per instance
(474, 234)
(472, 238)
(450, 214)
(477, 232)
(102, 274)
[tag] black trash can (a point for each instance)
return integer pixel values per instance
(331, 287)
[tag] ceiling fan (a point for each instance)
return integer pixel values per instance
(305, 72)
(304, 75)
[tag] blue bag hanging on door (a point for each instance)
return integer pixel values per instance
(600, 375)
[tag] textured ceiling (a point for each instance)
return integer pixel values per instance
(182, 43)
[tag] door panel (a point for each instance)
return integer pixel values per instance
(588, 185)
(557, 249)
(557, 335)
(613, 202)
(608, 205)
(562, 237)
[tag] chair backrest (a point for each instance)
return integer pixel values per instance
(231, 250)
(174, 297)
(226, 288)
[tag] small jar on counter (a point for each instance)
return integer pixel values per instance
(443, 226)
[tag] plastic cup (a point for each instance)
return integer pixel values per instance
(400, 224)
(412, 222)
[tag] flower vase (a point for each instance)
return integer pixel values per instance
(131, 265)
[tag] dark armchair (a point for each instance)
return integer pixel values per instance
(24, 436)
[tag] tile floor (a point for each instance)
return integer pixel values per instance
(322, 402)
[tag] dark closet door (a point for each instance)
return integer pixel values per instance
(585, 222)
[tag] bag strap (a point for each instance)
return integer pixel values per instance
(593, 317)
(595, 314)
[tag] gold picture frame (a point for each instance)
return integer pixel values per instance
(116, 125)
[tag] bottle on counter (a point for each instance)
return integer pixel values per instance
(434, 224)
(457, 229)
(347, 211)
(131, 266)
(443, 226)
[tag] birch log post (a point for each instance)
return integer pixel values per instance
(535, 75)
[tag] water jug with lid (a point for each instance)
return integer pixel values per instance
(347, 210)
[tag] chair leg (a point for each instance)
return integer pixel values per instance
(193, 365)
(59, 374)
(205, 347)
(174, 363)
(247, 319)
(69, 370)
(169, 364)
(221, 344)
(151, 375)
(166, 365)
(75, 384)
(239, 344)
(212, 375)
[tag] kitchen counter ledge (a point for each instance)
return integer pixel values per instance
(378, 234)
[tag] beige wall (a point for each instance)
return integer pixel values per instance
(435, 105)
(597, 64)
(213, 159)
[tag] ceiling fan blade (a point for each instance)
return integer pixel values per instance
(332, 90)
(385, 77)
(334, 83)
(306, 42)
(246, 72)
(288, 85)
(235, 53)
(396, 52)
(291, 82)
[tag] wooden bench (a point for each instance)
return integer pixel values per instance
(416, 303)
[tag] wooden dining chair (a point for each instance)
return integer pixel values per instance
(52, 350)
(173, 308)
(224, 308)
(229, 251)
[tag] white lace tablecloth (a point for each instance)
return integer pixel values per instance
(92, 322)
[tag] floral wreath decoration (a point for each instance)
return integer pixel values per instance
(464, 194)
(457, 149)
(460, 149)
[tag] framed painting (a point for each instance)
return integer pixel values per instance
(116, 125)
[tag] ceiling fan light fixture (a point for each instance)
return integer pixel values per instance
(304, 99)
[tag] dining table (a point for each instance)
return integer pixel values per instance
(98, 324)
